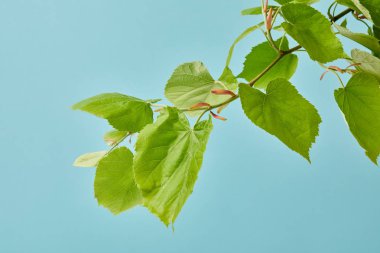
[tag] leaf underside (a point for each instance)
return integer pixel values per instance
(89, 159)
(169, 154)
(190, 84)
(368, 63)
(366, 40)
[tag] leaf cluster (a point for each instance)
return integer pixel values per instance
(161, 172)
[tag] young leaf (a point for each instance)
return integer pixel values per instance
(228, 79)
(114, 136)
(283, 112)
(368, 63)
(191, 83)
(89, 159)
(115, 186)
(261, 56)
(169, 154)
(344, 23)
(312, 31)
(360, 103)
(125, 113)
(366, 40)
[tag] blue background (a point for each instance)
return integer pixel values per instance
(253, 194)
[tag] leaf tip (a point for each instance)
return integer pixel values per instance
(373, 157)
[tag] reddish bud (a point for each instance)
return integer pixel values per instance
(269, 19)
(200, 105)
(323, 75)
(216, 116)
(265, 7)
(223, 92)
(336, 69)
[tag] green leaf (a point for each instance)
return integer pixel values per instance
(284, 113)
(169, 154)
(261, 56)
(89, 159)
(115, 186)
(366, 40)
(239, 38)
(252, 11)
(369, 31)
(312, 31)
(344, 23)
(278, 28)
(360, 103)
(125, 113)
(152, 101)
(373, 7)
(368, 63)
(228, 79)
(376, 32)
(297, 1)
(191, 83)
(114, 136)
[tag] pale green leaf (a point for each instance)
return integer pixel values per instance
(169, 154)
(228, 79)
(115, 186)
(368, 63)
(191, 83)
(366, 40)
(114, 136)
(360, 103)
(362, 9)
(261, 56)
(312, 31)
(239, 38)
(284, 113)
(89, 159)
(123, 112)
